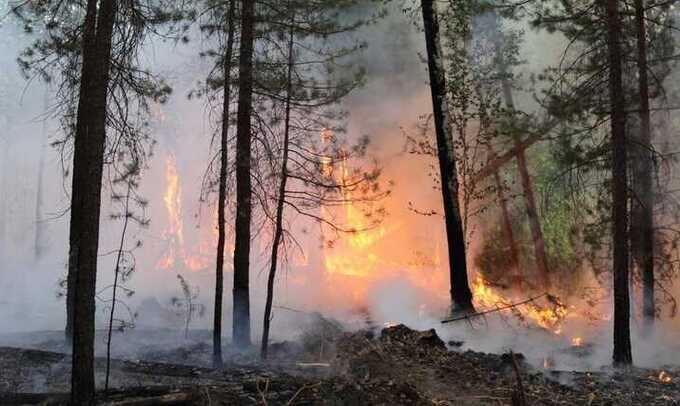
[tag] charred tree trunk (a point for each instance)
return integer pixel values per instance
(461, 296)
(221, 203)
(88, 159)
(278, 231)
(241, 311)
(622, 349)
(643, 203)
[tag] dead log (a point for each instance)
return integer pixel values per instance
(180, 398)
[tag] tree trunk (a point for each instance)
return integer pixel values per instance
(88, 158)
(116, 275)
(530, 202)
(241, 311)
(221, 217)
(643, 202)
(622, 350)
(461, 296)
(278, 232)
(507, 224)
(523, 168)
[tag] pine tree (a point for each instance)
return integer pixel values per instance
(88, 161)
(241, 310)
(622, 350)
(222, 193)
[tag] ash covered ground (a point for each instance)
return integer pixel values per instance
(325, 365)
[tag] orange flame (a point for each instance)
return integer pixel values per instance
(172, 197)
(173, 200)
(548, 318)
(176, 255)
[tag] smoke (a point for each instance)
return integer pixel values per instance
(408, 279)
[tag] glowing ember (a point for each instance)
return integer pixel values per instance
(665, 377)
(548, 363)
(576, 342)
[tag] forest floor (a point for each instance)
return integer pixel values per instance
(393, 366)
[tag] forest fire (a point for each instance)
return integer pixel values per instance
(354, 259)
(176, 256)
(356, 203)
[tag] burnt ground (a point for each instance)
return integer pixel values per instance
(394, 366)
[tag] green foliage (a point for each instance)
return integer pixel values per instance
(186, 305)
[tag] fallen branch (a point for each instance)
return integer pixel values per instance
(290, 309)
(497, 309)
(299, 391)
(263, 392)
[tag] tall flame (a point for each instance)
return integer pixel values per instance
(360, 241)
(173, 199)
(176, 256)
(174, 232)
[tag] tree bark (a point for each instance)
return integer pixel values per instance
(278, 231)
(241, 310)
(221, 215)
(643, 203)
(622, 349)
(461, 296)
(88, 159)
